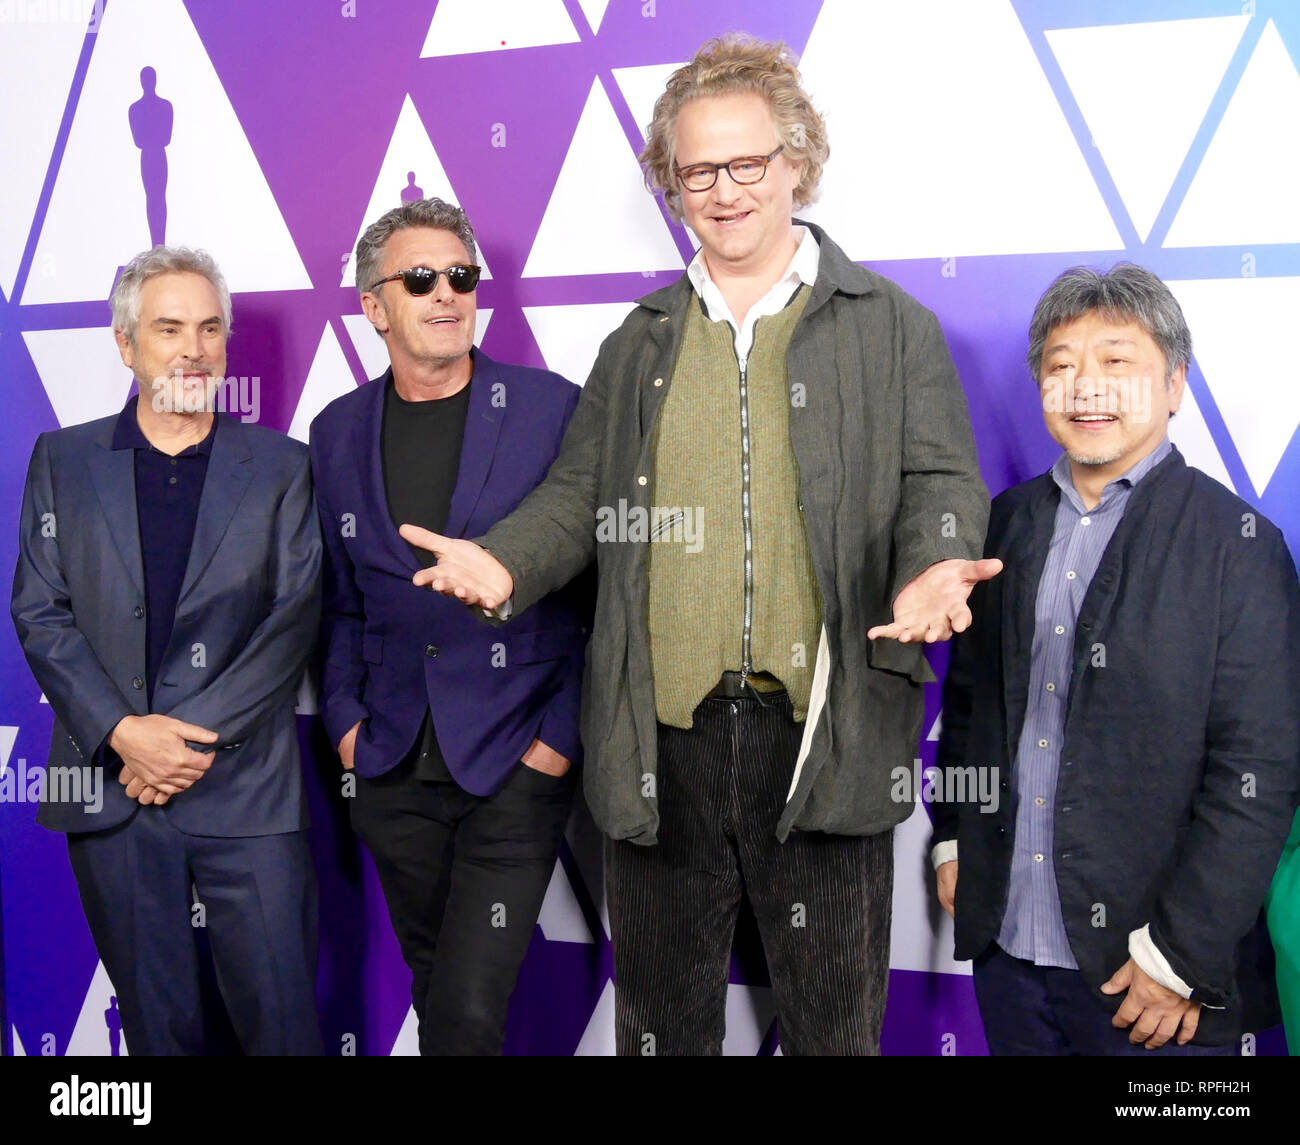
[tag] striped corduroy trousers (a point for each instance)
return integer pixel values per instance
(822, 902)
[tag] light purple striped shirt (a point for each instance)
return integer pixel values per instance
(1032, 927)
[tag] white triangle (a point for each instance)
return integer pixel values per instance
(1189, 432)
(921, 936)
(217, 197)
(8, 734)
(1245, 188)
(330, 377)
(750, 1010)
(39, 54)
(945, 136)
(407, 1044)
(90, 1036)
(598, 1038)
(594, 10)
(19, 1051)
(642, 87)
(81, 371)
(43, 699)
(601, 191)
(373, 351)
(561, 917)
(410, 152)
(306, 703)
(936, 729)
(463, 26)
(570, 336)
(1144, 124)
(1241, 329)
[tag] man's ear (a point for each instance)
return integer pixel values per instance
(125, 348)
(1175, 388)
(375, 311)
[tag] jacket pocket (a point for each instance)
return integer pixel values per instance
(904, 659)
(548, 644)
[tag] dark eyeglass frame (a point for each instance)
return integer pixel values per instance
(680, 172)
(426, 277)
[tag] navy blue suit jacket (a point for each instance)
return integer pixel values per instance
(245, 623)
(1181, 759)
(391, 650)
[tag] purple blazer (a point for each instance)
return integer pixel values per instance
(389, 649)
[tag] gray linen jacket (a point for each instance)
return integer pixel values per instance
(888, 484)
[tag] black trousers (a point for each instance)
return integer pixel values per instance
(258, 900)
(822, 902)
(464, 877)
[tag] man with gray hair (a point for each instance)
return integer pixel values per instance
(462, 742)
(1132, 682)
(167, 597)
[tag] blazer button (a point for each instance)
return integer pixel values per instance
(137, 683)
(137, 612)
(659, 381)
(431, 651)
(641, 480)
(1002, 830)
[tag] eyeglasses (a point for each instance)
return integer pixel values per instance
(418, 280)
(746, 169)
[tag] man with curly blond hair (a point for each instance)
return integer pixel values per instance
(772, 464)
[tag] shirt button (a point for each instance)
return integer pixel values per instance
(659, 381)
(431, 651)
(1071, 575)
(171, 480)
(1042, 743)
(1038, 858)
(1060, 630)
(137, 683)
(1085, 520)
(1051, 687)
(137, 612)
(172, 460)
(641, 480)
(1040, 801)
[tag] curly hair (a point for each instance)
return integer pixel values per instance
(738, 63)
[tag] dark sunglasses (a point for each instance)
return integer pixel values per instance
(419, 280)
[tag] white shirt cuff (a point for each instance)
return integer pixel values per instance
(1154, 964)
(503, 611)
(945, 852)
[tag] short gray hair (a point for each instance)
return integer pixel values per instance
(1127, 293)
(435, 213)
(163, 260)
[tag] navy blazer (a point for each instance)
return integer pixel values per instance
(1180, 767)
(245, 623)
(391, 650)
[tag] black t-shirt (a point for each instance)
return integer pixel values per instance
(421, 452)
(421, 447)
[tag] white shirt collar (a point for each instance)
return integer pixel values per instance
(802, 269)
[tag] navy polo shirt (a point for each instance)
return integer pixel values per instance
(167, 492)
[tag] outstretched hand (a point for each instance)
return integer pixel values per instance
(464, 570)
(932, 605)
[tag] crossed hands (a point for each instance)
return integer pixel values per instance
(156, 762)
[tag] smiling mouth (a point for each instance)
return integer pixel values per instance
(442, 318)
(1093, 419)
(729, 220)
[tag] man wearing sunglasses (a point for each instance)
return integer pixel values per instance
(461, 742)
(748, 702)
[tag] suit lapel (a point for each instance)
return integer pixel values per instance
(112, 473)
(482, 428)
(1026, 557)
(230, 469)
(368, 445)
